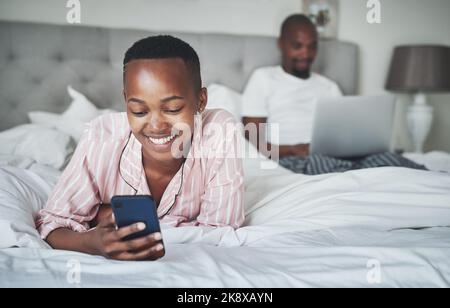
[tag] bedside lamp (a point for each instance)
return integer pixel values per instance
(420, 69)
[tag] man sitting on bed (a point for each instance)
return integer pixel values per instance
(286, 95)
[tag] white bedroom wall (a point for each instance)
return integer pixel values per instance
(258, 17)
(403, 22)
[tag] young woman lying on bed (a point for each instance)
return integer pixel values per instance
(154, 149)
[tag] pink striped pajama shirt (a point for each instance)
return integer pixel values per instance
(207, 190)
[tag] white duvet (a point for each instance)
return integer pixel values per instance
(337, 230)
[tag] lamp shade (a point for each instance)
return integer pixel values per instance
(421, 68)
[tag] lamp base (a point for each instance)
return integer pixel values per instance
(419, 120)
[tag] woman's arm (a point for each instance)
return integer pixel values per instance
(76, 196)
(222, 203)
(105, 240)
(104, 211)
(66, 239)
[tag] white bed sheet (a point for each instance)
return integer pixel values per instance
(300, 231)
(329, 258)
(434, 161)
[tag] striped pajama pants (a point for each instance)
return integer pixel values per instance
(319, 164)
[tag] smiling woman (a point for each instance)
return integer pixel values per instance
(157, 116)
(154, 149)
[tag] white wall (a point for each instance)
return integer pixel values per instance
(403, 22)
(259, 17)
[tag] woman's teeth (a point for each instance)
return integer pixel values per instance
(161, 141)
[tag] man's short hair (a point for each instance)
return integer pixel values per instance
(166, 47)
(297, 20)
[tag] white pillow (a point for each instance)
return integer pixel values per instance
(72, 121)
(222, 97)
(22, 195)
(81, 108)
(16, 161)
(42, 144)
(71, 127)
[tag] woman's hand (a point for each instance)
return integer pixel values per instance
(105, 240)
(104, 211)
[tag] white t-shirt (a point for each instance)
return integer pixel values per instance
(287, 101)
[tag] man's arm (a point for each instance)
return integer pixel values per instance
(263, 146)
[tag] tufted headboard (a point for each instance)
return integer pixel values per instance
(38, 61)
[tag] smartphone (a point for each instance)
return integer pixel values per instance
(129, 210)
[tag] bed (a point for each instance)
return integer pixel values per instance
(384, 227)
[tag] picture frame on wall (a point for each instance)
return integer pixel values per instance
(324, 14)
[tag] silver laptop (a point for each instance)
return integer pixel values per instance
(351, 127)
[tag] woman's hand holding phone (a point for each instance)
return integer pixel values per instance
(108, 241)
